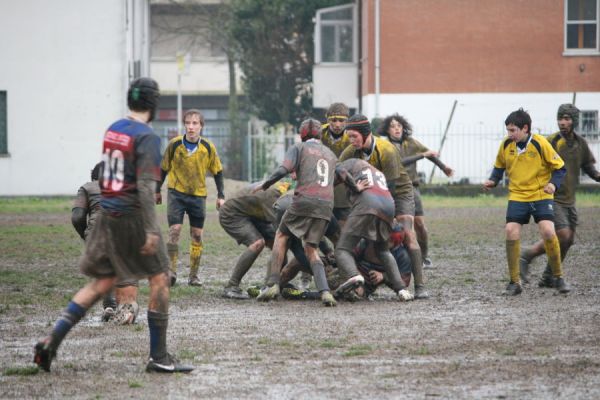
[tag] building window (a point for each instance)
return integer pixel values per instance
(581, 27)
(335, 35)
(588, 124)
(3, 124)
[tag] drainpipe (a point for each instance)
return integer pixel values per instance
(377, 58)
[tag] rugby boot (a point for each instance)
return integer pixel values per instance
(168, 364)
(513, 289)
(524, 269)
(546, 281)
(234, 292)
(291, 293)
(268, 293)
(427, 263)
(421, 293)
(561, 285)
(107, 314)
(193, 279)
(349, 285)
(327, 299)
(44, 353)
(305, 281)
(126, 314)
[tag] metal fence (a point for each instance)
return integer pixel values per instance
(255, 153)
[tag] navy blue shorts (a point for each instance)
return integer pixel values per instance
(179, 204)
(522, 211)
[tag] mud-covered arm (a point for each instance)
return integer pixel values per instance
(279, 173)
(146, 189)
(79, 220)
(591, 171)
(342, 175)
(220, 185)
(163, 176)
(437, 162)
(412, 159)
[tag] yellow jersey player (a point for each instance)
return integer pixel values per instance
(534, 171)
(186, 161)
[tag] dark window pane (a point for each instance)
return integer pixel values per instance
(3, 124)
(345, 14)
(581, 10)
(345, 43)
(581, 36)
(328, 43)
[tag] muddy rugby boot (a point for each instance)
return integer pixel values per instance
(44, 353)
(561, 285)
(327, 299)
(421, 293)
(524, 269)
(107, 314)
(404, 295)
(126, 314)
(513, 289)
(234, 292)
(194, 281)
(268, 293)
(427, 263)
(167, 365)
(349, 285)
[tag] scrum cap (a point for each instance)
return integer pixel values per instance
(571, 111)
(143, 95)
(310, 129)
(359, 123)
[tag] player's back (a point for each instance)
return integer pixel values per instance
(131, 151)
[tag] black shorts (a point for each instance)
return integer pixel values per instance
(522, 211)
(178, 204)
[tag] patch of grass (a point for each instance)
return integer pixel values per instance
(422, 351)
(29, 205)
(21, 371)
(187, 354)
(391, 376)
(358, 350)
(134, 384)
(506, 351)
(263, 340)
(284, 343)
(117, 353)
(138, 328)
(330, 344)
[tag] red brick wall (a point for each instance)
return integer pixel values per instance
(453, 46)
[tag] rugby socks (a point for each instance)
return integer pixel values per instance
(173, 250)
(552, 247)
(416, 260)
(513, 252)
(242, 266)
(195, 255)
(318, 270)
(69, 318)
(157, 325)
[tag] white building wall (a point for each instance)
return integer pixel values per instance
(204, 77)
(335, 84)
(477, 126)
(64, 67)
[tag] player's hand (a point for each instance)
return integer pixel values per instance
(220, 202)
(430, 153)
(488, 184)
(362, 184)
(405, 295)
(448, 171)
(151, 246)
(550, 188)
(375, 277)
(158, 198)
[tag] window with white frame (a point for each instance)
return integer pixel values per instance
(588, 123)
(335, 34)
(582, 26)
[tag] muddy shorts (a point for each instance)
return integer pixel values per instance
(363, 226)
(565, 217)
(113, 249)
(310, 230)
(178, 204)
(418, 202)
(341, 214)
(404, 204)
(246, 230)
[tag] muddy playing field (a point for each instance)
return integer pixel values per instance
(467, 341)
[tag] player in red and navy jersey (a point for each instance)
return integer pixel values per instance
(126, 241)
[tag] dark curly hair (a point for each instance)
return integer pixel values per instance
(407, 128)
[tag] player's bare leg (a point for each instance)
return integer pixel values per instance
(196, 248)
(414, 251)
(173, 250)
(280, 246)
(86, 297)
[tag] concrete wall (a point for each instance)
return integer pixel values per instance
(65, 70)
